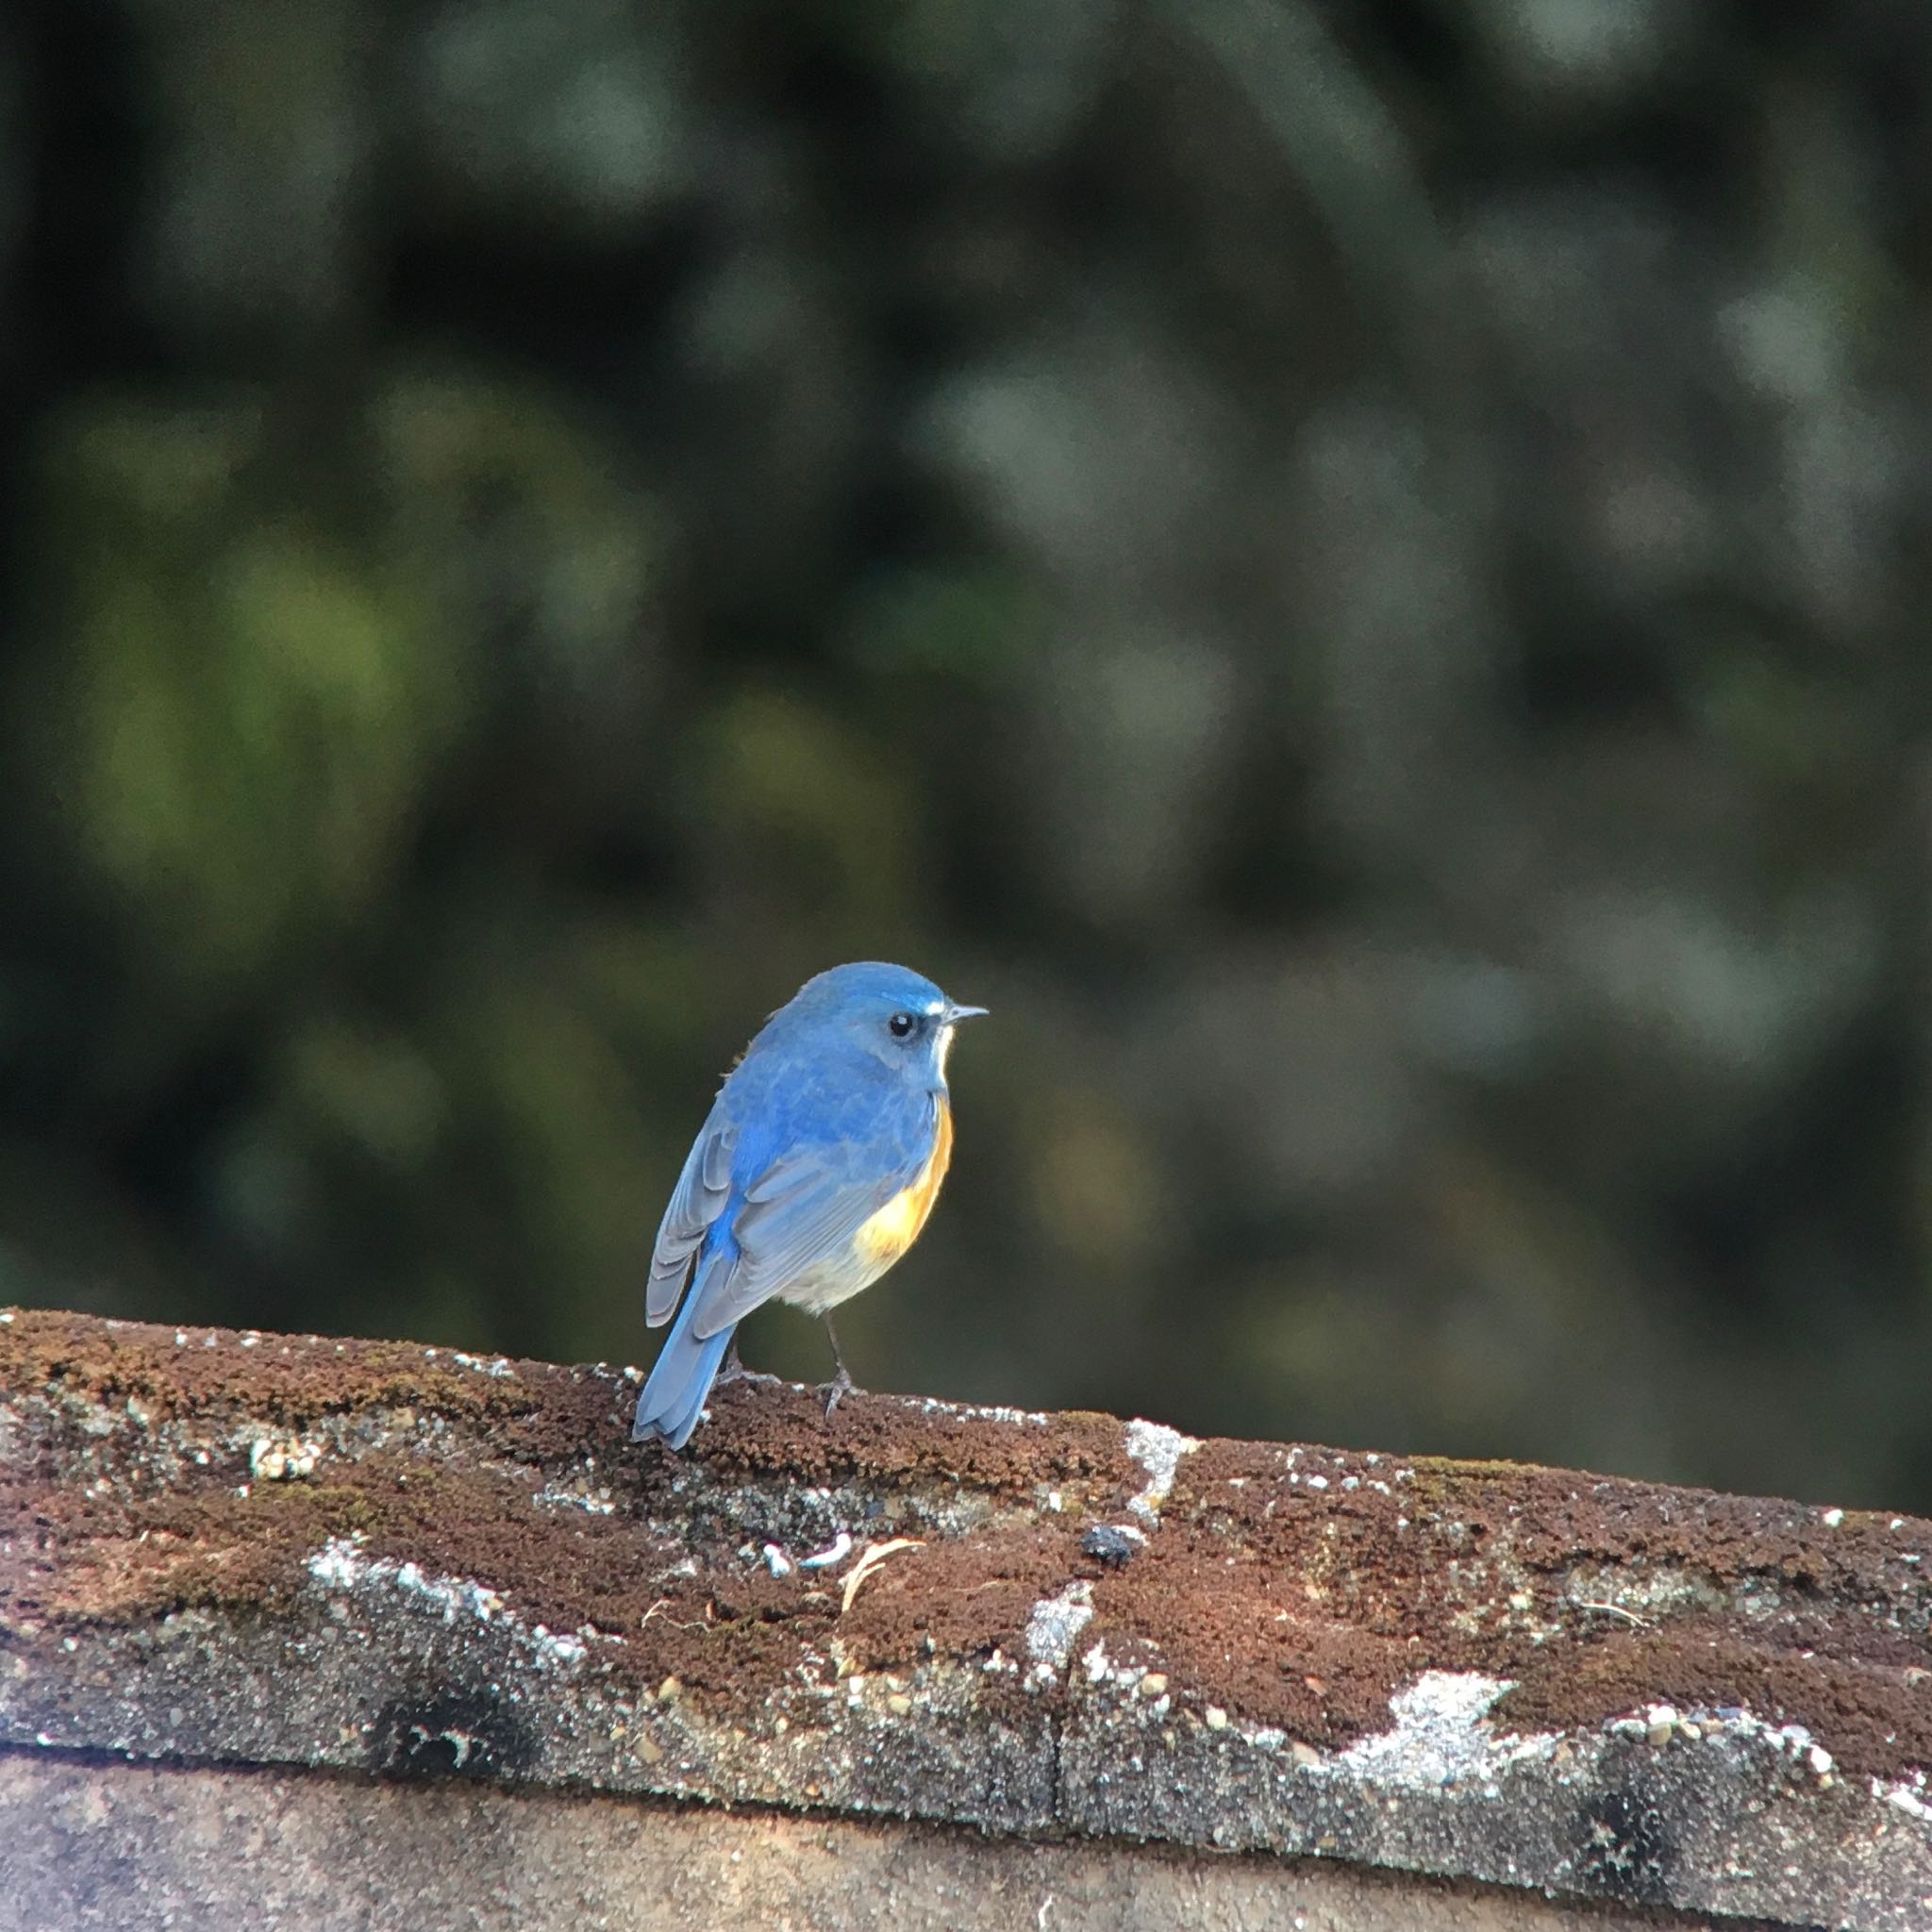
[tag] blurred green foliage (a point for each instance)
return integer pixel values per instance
(1356, 574)
(244, 710)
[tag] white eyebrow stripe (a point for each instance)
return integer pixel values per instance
(935, 1009)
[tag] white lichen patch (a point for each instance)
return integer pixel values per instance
(1908, 1795)
(973, 1412)
(593, 1503)
(1441, 1735)
(340, 1564)
(1055, 1624)
(499, 1367)
(1158, 1450)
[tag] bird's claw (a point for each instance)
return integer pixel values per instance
(836, 1389)
(733, 1370)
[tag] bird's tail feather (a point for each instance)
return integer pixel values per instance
(680, 1379)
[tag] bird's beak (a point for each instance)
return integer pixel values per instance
(955, 1014)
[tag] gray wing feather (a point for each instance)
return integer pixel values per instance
(797, 1215)
(695, 1202)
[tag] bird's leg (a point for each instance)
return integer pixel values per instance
(841, 1385)
(733, 1370)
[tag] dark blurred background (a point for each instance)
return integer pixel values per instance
(1357, 571)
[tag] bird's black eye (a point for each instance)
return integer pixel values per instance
(901, 1024)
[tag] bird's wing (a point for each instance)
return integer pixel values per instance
(804, 1211)
(696, 1201)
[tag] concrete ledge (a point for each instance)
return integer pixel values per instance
(372, 1558)
(257, 1847)
(233, 1848)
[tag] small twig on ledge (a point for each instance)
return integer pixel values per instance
(1617, 1611)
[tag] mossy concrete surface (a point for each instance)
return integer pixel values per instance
(344, 1561)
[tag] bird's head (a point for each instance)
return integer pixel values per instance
(896, 1015)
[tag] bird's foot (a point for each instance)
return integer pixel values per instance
(836, 1389)
(733, 1370)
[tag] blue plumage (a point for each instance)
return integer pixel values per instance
(812, 1175)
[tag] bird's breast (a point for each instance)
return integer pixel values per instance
(886, 1235)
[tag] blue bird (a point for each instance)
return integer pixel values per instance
(816, 1171)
